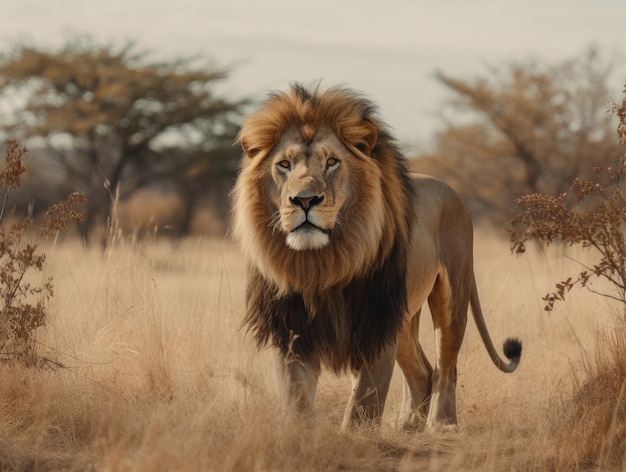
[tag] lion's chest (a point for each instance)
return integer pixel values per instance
(343, 326)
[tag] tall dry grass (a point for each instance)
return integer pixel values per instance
(591, 430)
(158, 376)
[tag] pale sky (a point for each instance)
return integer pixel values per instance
(388, 49)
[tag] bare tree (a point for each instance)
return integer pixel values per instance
(527, 127)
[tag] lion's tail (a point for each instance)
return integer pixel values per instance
(512, 347)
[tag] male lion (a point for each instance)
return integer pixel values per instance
(343, 248)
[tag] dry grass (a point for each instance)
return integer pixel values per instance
(592, 433)
(158, 375)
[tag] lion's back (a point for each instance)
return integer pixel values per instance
(435, 202)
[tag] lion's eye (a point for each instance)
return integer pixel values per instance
(284, 165)
(332, 163)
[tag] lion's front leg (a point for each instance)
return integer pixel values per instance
(297, 383)
(369, 390)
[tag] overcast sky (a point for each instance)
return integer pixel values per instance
(387, 49)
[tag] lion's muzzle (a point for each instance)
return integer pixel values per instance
(308, 234)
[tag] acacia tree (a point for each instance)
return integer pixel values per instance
(526, 127)
(112, 119)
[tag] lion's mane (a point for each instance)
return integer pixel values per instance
(344, 302)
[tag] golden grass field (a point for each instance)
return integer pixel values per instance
(159, 376)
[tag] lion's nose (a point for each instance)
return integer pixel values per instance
(308, 202)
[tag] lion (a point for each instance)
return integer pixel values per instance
(343, 247)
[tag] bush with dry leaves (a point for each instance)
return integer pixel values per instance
(588, 426)
(23, 301)
(597, 221)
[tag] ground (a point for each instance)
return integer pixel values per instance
(158, 375)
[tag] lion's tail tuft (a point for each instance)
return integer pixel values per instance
(512, 348)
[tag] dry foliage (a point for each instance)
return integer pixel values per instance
(588, 426)
(23, 308)
(523, 127)
(118, 109)
(546, 219)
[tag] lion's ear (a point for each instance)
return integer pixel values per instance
(363, 137)
(248, 148)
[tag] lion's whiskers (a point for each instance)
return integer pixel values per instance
(275, 222)
(338, 219)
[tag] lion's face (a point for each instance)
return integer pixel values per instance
(310, 187)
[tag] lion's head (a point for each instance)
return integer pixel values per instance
(317, 202)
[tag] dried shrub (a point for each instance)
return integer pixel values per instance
(23, 302)
(546, 219)
(589, 430)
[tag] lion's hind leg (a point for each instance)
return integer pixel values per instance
(417, 372)
(448, 305)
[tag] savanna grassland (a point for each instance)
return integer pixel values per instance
(149, 370)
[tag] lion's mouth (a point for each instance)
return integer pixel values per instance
(307, 226)
(308, 236)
